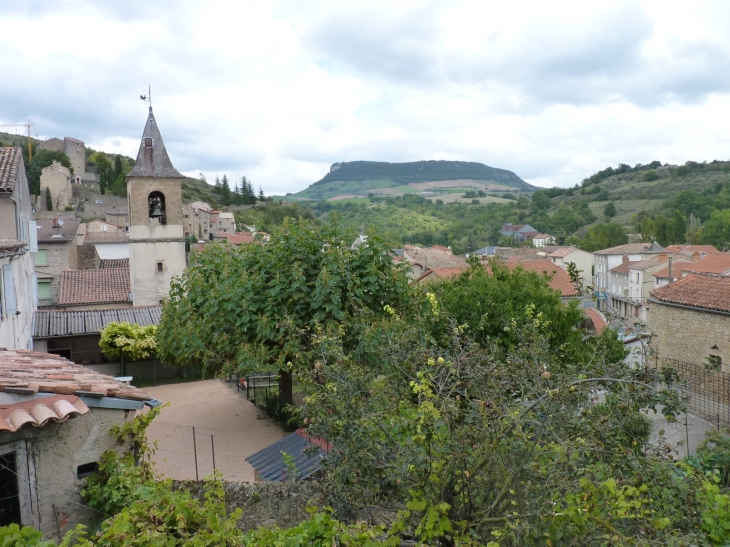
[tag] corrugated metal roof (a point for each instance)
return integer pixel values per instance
(49, 324)
(269, 462)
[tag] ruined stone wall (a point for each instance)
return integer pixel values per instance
(690, 335)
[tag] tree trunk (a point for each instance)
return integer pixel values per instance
(285, 389)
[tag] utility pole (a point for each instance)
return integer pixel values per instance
(28, 125)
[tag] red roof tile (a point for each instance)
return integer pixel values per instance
(710, 292)
(107, 263)
(718, 264)
(707, 249)
(94, 287)
(563, 252)
(10, 244)
(560, 278)
(677, 269)
(628, 249)
(237, 239)
(596, 317)
(38, 412)
(92, 238)
(443, 273)
(431, 258)
(11, 160)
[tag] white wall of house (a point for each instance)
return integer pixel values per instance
(111, 251)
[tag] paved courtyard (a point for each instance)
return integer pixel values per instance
(208, 422)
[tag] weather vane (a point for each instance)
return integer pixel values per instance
(147, 97)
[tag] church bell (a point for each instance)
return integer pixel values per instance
(156, 211)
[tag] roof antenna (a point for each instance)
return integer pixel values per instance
(148, 97)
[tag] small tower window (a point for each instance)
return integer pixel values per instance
(160, 267)
(148, 142)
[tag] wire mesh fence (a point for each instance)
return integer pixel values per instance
(706, 392)
(193, 453)
(261, 389)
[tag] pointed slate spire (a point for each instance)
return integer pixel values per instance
(152, 159)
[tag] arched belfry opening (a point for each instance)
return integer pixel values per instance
(156, 207)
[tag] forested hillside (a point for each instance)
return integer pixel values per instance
(670, 204)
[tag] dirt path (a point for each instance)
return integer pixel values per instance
(205, 420)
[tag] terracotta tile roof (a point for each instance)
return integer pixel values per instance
(596, 317)
(55, 323)
(439, 248)
(560, 278)
(107, 263)
(541, 236)
(563, 252)
(237, 239)
(39, 412)
(68, 229)
(11, 160)
(29, 372)
(677, 269)
(430, 258)
(10, 244)
(94, 287)
(632, 248)
(717, 264)
(442, 273)
(707, 249)
(711, 292)
(92, 238)
(623, 268)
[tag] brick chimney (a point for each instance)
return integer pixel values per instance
(696, 256)
(625, 259)
(55, 229)
(663, 257)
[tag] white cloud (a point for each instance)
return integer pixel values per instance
(278, 91)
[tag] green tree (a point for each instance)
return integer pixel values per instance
(258, 307)
(716, 230)
(128, 341)
(610, 210)
(118, 167)
(49, 200)
(604, 236)
(262, 197)
(225, 191)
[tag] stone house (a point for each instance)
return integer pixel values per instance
(76, 152)
(518, 232)
(56, 421)
(606, 259)
(17, 244)
(690, 319)
(105, 288)
(57, 251)
(226, 223)
(196, 222)
(97, 225)
(583, 261)
(75, 334)
(118, 218)
(57, 179)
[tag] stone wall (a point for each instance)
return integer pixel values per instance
(139, 189)
(87, 257)
(88, 209)
(58, 179)
(57, 449)
(690, 335)
(60, 256)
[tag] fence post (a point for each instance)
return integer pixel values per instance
(686, 420)
(195, 454)
(212, 447)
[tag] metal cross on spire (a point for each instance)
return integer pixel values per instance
(148, 97)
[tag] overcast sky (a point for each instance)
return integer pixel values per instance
(278, 91)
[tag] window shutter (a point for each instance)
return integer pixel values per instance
(34, 289)
(33, 236)
(9, 289)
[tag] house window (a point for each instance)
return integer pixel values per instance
(637, 277)
(160, 267)
(44, 290)
(41, 257)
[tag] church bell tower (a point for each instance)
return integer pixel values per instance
(156, 241)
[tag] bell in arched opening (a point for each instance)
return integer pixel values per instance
(156, 206)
